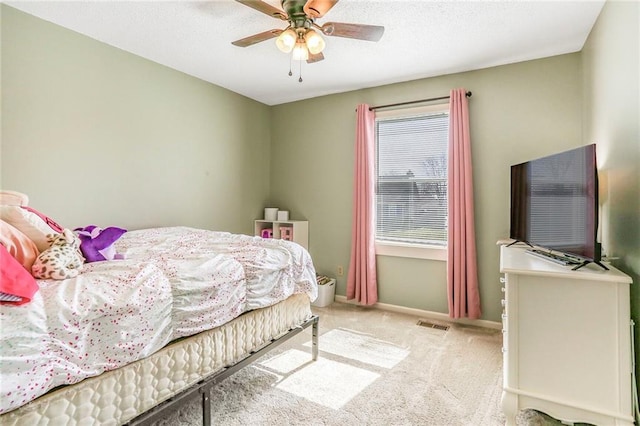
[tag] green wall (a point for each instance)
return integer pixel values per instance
(611, 58)
(517, 112)
(96, 135)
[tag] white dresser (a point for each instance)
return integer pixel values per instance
(567, 340)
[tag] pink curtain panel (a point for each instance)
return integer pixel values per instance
(362, 283)
(462, 270)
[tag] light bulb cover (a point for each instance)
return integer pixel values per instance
(300, 52)
(315, 43)
(286, 40)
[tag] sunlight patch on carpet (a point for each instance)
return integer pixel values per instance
(361, 347)
(288, 361)
(325, 382)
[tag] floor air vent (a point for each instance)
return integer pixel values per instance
(423, 323)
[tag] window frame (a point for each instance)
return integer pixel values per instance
(405, 249)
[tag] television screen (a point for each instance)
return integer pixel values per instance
(554, 203)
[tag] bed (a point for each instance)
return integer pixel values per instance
(182, 310)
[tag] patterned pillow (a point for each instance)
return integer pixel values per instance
(61, 260)
(30, 222)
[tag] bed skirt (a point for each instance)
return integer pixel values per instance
(120, 395)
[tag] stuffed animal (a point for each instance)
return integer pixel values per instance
(97, 243)
(61, 260)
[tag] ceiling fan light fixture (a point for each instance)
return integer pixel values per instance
(302, 37)
(315, 43)
(287, 40)
(300, 51)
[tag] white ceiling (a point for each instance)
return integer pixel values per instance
(422, 39)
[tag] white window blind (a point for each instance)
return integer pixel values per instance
(411, 169)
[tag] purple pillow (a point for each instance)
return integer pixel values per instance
(96, 243)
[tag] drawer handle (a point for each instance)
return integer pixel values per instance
(502, 280)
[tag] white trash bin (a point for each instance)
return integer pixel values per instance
(326, 294)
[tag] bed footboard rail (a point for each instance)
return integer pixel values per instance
(203, 387)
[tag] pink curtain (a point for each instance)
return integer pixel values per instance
(462, 270)
(362, 283)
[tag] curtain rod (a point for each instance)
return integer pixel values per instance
(468, 94)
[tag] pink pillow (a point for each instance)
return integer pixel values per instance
(18, 245)
(17, 286)
(14, 198)
(30, 222)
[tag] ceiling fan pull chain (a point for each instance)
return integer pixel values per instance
(290, 62)
(300, 78)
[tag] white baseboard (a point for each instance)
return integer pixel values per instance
(425, 314)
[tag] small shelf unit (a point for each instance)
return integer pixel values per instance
(299, 229)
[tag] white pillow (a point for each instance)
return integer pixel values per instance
(30, 222)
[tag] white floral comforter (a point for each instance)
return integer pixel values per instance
(174, 282)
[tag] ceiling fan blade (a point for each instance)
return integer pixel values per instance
(315, 58)
(358, 31)
(318, 8)
(265, 8)
(256, 38)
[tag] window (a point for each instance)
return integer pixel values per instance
(411, 177)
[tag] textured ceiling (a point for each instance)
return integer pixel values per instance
(422, 39)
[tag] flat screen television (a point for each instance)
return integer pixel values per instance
(554, 205)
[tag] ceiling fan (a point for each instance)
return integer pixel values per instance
(300, 36)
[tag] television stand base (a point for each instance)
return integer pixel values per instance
(519, 241)
(586, 262)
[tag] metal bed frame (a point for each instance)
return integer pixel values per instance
(204, 386)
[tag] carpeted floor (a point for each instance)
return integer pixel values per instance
(374, 368)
